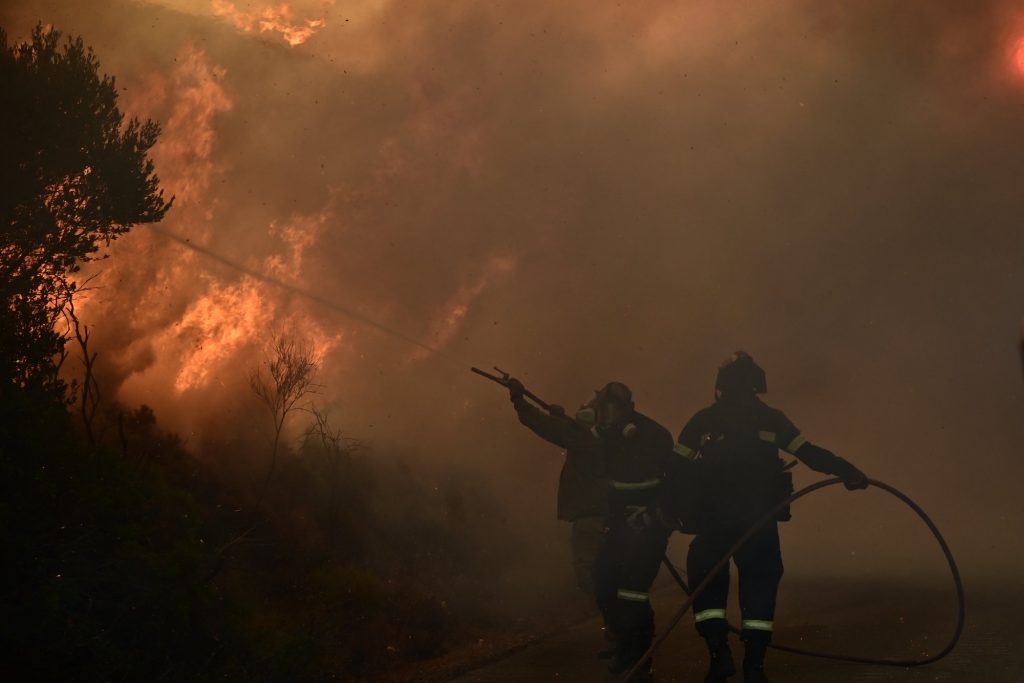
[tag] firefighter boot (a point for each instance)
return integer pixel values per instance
(629, 648)
(622, 659)
(644, 675)
(722, 666)
(753, 658)
(622, 664)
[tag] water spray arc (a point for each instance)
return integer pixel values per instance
(306, 294)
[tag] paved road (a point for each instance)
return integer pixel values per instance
(885, 620)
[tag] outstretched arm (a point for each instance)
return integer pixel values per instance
(827, 462)
(788, 438)
(557, 429)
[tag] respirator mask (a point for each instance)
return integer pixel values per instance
(608, 411)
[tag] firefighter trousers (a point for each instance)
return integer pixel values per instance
(759, 563)
(587, 535)
(627, 564)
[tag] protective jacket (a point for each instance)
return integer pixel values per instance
(636, 462)
(606, 473)
(735, 444)
(582, 487)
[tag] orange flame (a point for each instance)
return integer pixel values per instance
(1017, 56)
(190, 328)
(218, 324)
(273, 19)
(453, 314)
(229, 320)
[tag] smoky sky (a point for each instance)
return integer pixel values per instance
(579, 192)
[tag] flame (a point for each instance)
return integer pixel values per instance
(1017, 57)
(221, 322)
(231, 320)
(187, 328)
(299, 234)
(182, 329)
(188, 101)
(448, 322)
(273, 19)
(225, 322)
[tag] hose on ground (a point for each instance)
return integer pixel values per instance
(768, 517)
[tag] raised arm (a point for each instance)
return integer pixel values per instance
(560, 430)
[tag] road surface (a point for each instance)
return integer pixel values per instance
(881, 619)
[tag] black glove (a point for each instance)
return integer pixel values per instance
(852, 477)
(556, 410)
(515, 390)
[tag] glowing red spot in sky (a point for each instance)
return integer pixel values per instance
(1017, 55)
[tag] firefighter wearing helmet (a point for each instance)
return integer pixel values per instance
(632, 452)
(582, 486)
(735, 445)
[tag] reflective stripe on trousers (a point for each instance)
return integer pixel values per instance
(706, 614)
(635, 596)
(758, 625)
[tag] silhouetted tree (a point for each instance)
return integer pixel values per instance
(337, 451)
(89, 397)
(290, 375)
(74, 176)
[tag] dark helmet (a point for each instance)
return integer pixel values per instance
(739, 375)
(615, 392)
(612, 406)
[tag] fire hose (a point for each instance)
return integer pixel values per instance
(768, 517)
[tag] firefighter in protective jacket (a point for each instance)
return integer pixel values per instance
(632, 452)
(582, 486)
(735, 445)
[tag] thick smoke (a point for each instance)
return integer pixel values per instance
(581, 192)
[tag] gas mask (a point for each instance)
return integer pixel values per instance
(608, 411)
(587, 414)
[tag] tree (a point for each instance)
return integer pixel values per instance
(89, 401)
(75, 176)
(291, 374)
(336, 450)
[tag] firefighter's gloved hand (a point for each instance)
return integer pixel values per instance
(853, 478)
(556, 410)
(515, 390)
(858, 484)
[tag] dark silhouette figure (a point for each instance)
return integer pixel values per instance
(735, 444)
(632, 452)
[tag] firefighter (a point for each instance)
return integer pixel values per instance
(632, 452)
(735, 445)
(582, 487)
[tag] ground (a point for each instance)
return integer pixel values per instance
(883, 619)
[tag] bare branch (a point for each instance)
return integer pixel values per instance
(90, 397)
(288, 377)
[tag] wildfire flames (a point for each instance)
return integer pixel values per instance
(277, 19)
(1017, 57)
(186, 324)
(426, 168)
